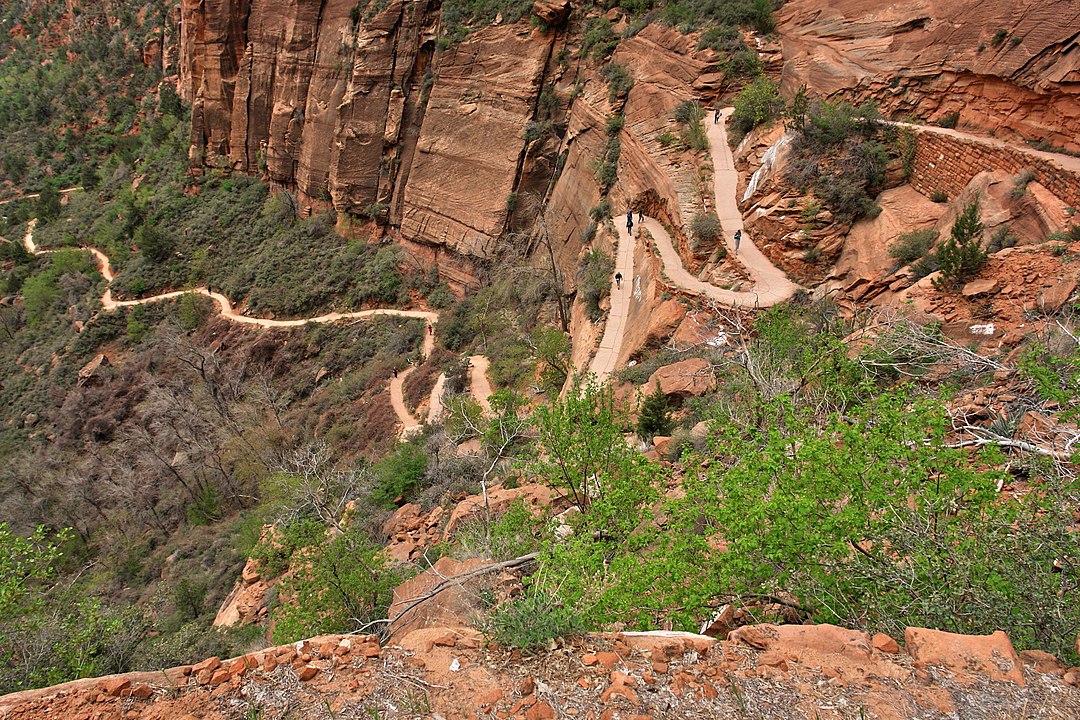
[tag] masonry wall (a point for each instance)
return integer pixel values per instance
(947, 163)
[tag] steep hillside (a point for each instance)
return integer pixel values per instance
(485, 334)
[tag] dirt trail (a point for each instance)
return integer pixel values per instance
(410, 425)
(771, 285)
(603, 363)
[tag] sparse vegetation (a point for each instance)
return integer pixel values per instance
(705, 228)
(594, 276)
(691, 116)
(913, 246)
(841, 154)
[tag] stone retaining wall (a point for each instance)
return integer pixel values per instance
(947, 163)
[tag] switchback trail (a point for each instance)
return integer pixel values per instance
(771, 285)
(481, 389)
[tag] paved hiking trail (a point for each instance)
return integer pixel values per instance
(771, 285)
(409, 424)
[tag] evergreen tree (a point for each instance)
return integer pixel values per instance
(962, 255)
(655, 417)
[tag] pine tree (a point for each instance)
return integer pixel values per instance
(655, 418)
(962, 255)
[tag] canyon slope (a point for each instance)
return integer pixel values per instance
(1001, 67)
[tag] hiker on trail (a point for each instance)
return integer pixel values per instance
(629, 221)
(395, 372)
(618, 280)
(738, 238)
(430, 329)
(641, 214)
(716, 115)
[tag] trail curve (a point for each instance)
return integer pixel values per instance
(771, 284)
(409, 424)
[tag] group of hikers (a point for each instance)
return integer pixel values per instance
(641, 219)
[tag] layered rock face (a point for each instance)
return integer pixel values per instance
(1004, 67)
(354, 106)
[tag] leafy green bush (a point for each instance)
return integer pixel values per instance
(756, 104)
(1002, 238)
(690, 114)
(913, 246)
(398, 475)
(839, 153)
(706, 230)
(340, 585)
(598, 40)
(619, 80)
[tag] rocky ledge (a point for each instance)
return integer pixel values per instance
(761, 671)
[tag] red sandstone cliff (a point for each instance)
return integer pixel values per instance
(1004, 66)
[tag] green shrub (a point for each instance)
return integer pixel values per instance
(913, 246)
(598, 40)
(706, 229)
(939, 196)
(533, 620)
(999, 37)
(654, 416)
(618, 79)
(1001, 239)
(594, 278)
(615, 124)
(690, 114)
(961, 256)
(949, 120)
(757, 103)
(601, 211)
(341, 585)
(398, 475)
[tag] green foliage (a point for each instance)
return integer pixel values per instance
(26, 564)
(398, 474)
(706, 229)
(999, 37)
(961, 256)
(913, 246)
(533, 620)
(756, 104)
(339, 585)
(744, 63)
(598, 40)
(607, 166)
(949, 120)
(839, 153)
(615, 124)
(619, 80)
(601, 211)
(582, 453)
(594, 279)
(460, 16)
(1002, 238)
(654, 416)
(688, 15)
(690, 114)
(47, 206)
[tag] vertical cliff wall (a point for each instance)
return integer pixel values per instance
(358, 106)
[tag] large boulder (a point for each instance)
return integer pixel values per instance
(414, 607)
(968, 656)
(688, 378)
